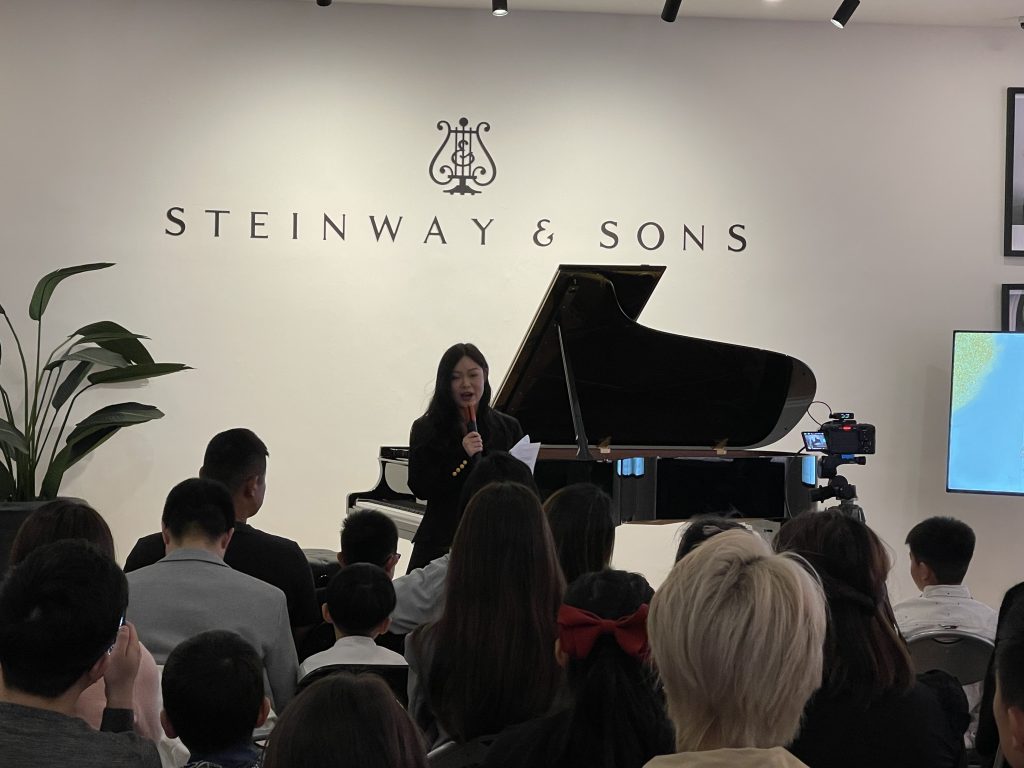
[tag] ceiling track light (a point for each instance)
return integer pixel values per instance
(499, 7)
(671, 10)
(844, 13)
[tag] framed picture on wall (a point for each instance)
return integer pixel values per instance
(1013, 216)
(1013, 307)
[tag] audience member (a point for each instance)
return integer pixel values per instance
(67, 519)
(1008, 706)
(420, 594)
(214, 699)
(360, 598)
(870, 710)
(192, 589)
(700, 529)
(60, 611)
(345, 721)
(487, 663)
(580, 517)
(1010, 624)
(617, 716)
(941, 549)
(238, 459)
(369, 536)
(737, 633)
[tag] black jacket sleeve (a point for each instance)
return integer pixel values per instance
(437, 463)
(147, 550)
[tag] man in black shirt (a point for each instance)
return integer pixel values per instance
(238, 458)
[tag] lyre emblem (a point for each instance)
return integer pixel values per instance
(462, 166)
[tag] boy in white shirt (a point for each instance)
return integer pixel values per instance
(941, 549)
(360, 599)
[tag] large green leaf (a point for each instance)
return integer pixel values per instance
(70, 384)
(116, 338)
(89, 434)
(136, 372)
(7, 484)
(98, 355)
(11, 436)
(45, 287)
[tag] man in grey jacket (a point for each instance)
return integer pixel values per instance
(192, 590)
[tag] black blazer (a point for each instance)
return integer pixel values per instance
(437, 470)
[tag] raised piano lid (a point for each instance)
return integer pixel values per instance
(636, 386)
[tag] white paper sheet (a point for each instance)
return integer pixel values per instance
(526, 452)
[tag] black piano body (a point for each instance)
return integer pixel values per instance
(669, 425)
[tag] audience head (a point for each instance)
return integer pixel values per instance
(736, 632)
(344, 721)
(941, 549)
(360, 599)
(496, 467)
(1008, 705)
(618, 714)
(369, 536)
(60, 609)
(59, 520)
(498, 627)
(213, 692)
(238, 459)
(198, 512)
(703, 528)
(583, 528)
(443, 410)
(865, 656)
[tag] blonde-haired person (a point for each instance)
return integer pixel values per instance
(737, 634)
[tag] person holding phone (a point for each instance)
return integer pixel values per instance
(458, 426)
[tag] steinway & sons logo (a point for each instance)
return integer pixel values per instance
(464, 162)
(460, 163)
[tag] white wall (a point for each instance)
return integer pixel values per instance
(867, 166)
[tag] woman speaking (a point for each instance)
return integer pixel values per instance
(458, 426)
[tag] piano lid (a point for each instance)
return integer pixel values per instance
(586, 367)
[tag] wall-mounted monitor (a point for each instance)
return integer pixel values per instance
(986, 413)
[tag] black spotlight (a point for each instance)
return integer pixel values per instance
(845, 12)
(499, 7)
(324, 3)
(671, 10)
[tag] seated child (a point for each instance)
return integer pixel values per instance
(214, 698)
(941, 549)
(360, 599)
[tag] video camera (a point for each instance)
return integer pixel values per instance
(841, 435)
(843, 441)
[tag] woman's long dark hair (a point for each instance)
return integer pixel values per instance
(344, 721)
(618, 717)
(865, 656)
(493, 663)
(442, 411)
(580, 517)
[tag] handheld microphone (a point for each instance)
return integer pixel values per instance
(470, 418)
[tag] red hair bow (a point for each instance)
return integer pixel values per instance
(578, 630)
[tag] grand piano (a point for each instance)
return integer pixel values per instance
(669, 425)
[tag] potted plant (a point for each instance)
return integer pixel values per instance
(36, 410)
